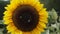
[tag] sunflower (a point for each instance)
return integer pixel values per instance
(25, 17)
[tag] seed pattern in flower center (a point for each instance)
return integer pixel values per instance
(25, 18)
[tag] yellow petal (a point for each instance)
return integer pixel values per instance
(42, 24)
(35, 31)
(18, 32)
(13, 32)
(11, 27)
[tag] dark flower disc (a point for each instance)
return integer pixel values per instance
(25, 18)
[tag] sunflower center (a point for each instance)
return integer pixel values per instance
(25, 18)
